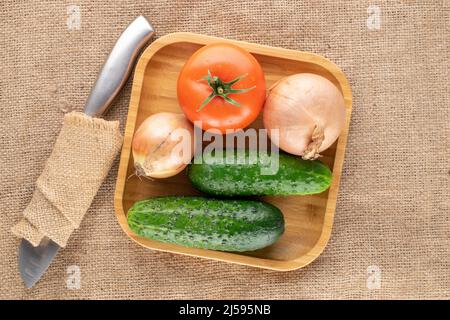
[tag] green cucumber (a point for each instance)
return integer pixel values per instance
(224, 225)
(218, 176)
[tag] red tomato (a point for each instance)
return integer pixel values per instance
(223, 86)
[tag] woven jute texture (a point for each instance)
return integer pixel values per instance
(81, 158)
(391, 234)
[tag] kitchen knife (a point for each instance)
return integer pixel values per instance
(34, 261)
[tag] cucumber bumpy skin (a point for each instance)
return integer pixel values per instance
(295, 176)
(224, 225)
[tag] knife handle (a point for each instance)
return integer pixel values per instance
(118, 65)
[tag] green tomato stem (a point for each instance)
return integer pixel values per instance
(223, 89)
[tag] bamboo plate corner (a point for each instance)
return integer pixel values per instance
(309, 219)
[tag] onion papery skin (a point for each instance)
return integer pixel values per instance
(308, 111)
(154, 142)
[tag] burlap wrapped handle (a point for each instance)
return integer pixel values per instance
(80, 161)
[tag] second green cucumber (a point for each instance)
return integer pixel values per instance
(226, 176)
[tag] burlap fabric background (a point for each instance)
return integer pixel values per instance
(393, 207)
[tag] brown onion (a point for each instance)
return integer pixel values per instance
(163, 145)
(309, 112)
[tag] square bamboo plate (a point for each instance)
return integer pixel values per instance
(309, 219)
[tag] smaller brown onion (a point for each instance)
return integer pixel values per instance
(308, 111)
(163, 145)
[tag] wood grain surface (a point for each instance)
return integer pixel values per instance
(309, 219)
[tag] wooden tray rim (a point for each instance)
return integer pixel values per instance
(277, 265)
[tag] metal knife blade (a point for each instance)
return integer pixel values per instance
(34, 261)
